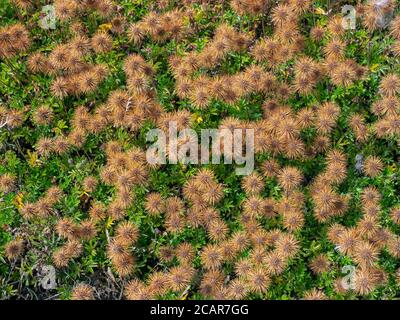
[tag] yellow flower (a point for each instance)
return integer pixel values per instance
(184, 297)
(198, 16)
(19, 200)
(320, 11)
(105, 27)
(32, 158)
(109, 222)
(374, 67)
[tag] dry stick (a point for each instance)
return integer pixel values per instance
(2, 209)
(185, 292)
(4, 124)
(264, 16)
(12, 267)
(122, 289)
(52, 297)
(369, 55)
(313, 17)
(19, 147)
(263, 24)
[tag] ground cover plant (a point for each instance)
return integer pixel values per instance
(84, 215)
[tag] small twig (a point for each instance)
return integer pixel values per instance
(111, 276)
(4, 123)
(128, 104)
(185, 292)
(369, 54)
(6, 208)
(108, 237)
(122, 290)
(11, 271)
(54, 296)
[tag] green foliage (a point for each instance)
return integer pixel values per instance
(19, 88)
